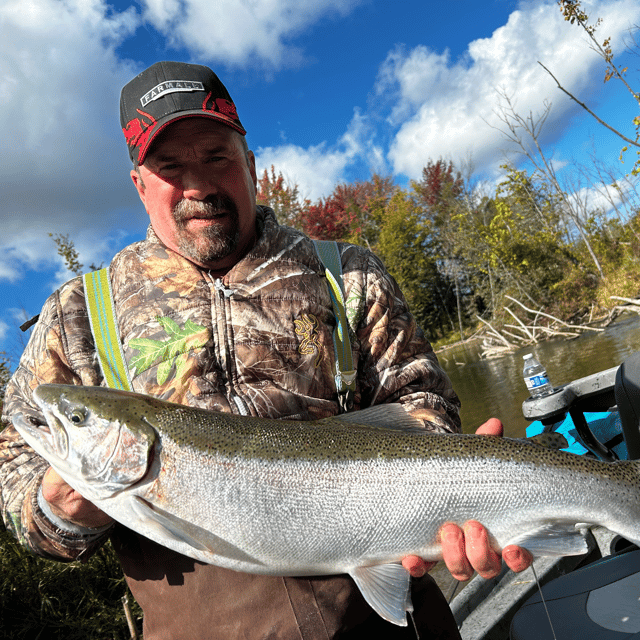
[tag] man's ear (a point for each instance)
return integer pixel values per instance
(252, 169)
(138, 184)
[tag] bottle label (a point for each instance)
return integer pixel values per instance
(534, 382)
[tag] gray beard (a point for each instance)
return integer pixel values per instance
(213, 242)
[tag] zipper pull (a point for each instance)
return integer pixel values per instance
(218, 284)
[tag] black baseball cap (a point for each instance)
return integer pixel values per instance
(165, 92)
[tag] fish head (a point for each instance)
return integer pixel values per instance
(98, 448)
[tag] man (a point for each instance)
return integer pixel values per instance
(252, 308)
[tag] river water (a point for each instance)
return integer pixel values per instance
(495, 387)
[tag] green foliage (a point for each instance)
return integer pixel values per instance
(173, 350)
(42, 599)
(403, 245)
(67, 251)
(515, 238)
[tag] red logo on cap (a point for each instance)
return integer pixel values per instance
(137, 131)
(220, 105)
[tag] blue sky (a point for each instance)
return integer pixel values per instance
(328, 90)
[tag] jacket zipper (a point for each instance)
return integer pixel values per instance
(224, 293)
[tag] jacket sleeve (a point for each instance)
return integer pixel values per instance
(397, 363)
(56, 352)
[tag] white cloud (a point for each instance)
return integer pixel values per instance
(447, 109)
(235, 31)
(317, 169)
(61, 151)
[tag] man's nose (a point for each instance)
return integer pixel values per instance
(198, 184)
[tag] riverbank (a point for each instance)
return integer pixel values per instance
(493, 387)
(497, 339)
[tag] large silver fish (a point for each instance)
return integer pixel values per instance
(326, 497)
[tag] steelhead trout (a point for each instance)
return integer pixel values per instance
(353, 494)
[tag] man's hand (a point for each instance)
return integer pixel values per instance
(467, 549)
(69, 505)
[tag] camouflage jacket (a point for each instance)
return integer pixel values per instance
(258, 341)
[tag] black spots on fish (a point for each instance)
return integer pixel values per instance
(251, 437)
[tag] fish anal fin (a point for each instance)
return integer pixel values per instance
(553, 539)
(386, 589)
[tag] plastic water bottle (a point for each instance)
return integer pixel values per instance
(535, 377)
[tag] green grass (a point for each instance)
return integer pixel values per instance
(40, 598)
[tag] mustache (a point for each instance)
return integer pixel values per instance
(210, 207)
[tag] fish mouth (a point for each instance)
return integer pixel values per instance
(41, 436)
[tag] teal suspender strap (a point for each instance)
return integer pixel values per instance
(99, 298)
(345, 373)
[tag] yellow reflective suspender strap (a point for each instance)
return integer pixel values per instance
(345, 373)
(99, 298)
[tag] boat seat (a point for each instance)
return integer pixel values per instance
(599, 601)
(627, 395)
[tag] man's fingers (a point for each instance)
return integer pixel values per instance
(454, 554)
(416, 566)
(492, 427)
(66, 503)
(479, 552)
(517, 558)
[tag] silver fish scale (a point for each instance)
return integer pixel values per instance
(325, 516)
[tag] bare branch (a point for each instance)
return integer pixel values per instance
(584, 106)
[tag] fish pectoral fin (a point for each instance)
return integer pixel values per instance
(171, 527)
(386, 588)
(553, 539)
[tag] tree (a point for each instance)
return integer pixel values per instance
(353, 212)
(67, 251)
(403, 245)
(332, 218)
(439, 192)
(525, 132)
(282, 197)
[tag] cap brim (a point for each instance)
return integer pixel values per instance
(162, 124)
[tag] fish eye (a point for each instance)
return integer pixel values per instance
(77, 416)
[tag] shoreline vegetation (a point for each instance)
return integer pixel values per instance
(42, 599)
(537, 326)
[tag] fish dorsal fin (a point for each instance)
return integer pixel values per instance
(386, 416)
(386, 588)
(550, 440)
(553, 539)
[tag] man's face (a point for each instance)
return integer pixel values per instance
(199, 189)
